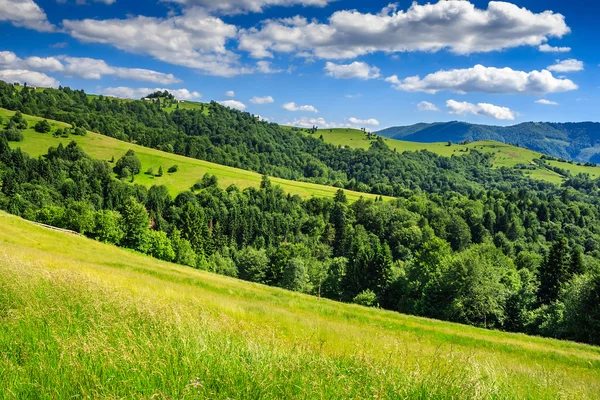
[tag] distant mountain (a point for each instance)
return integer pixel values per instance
(574, 141)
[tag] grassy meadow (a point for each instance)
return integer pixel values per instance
(190, 170)
(505, 155)
(80, 319)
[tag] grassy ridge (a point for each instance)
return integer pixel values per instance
(190, 170)
(505, 155)
(83, 319)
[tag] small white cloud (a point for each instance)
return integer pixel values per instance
(427, 106)
(356, 70)
(485, 109)
(547, 102)
(294, 107)
(353, 96)
(546, 48)
(137, 93)
(238, 105)
(570, 65)
(32, 78)
(262, 100)
(230, 93)
(370, 121)
(264, 67)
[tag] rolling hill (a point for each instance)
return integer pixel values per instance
(505, 155)
(574, 141)
(83, 319)
(190, 170)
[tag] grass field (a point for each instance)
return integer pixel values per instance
(505, 155)
(80, 319)
(190, 170)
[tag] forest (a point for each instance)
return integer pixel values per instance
(461, 242)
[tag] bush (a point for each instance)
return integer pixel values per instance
(173, 169)
(130, 162)
(366, 298)
(42, 127)
(13, 135)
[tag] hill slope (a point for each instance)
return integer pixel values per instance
(576, 141)
(190, 170)
(83, 319)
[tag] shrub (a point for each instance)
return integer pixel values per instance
(173, 169)
(366, 298)
(13, 135)
(42, 127)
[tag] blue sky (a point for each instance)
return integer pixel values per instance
(323, 62)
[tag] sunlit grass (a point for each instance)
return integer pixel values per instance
(85, 320)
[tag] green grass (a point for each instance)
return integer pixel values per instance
(79, 319)
(190, 170)
(505, 155)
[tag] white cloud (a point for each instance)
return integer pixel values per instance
(307, 122)
(32, 78)
(370, 121)
(457, 26)
(262, 100)
(427, 106)
(264, 67)
(353, 96)
(82, 2)
(193, 39)
(485, 79)
(230, 93)
(546, 48)
(294, 107)
(137, 93)
(244, 6)
(485, 109)
(547, 102)
(238, 105)
(357, 69)
(25, 13)
(570, 65)
(87, 68)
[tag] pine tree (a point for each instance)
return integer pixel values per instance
(554, 273)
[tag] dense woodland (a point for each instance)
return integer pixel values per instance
(462, 242)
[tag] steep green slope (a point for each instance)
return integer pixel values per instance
(190, 170)
(79, 319)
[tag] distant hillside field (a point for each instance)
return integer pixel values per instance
(576, 141)
(505, 155)
(190, 170)
(80, 319)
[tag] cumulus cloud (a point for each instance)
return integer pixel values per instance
(485, 109)
(457, 26)
(264, 67)
(238, 105)
(245, 6)
(309, 122)
(427, 106)
(32, 78)
(370, 121)
(25, 13)
(193, 39)
(87, 68)
(262, 100)
(294, 107)
(137, 93)
(83, 2)
(485, 79)
(547, 102)
(230, 93)
(570, 65)
(546, 48)
(357, 69)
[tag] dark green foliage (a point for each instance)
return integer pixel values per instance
(18, 121)
(12, 134)
(43, 127)
(173, 169)
(128, 165)
(554, 272)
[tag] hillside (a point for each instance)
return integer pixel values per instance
(505, 155)
(84, 319)
(575, 141)
(190, 170)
